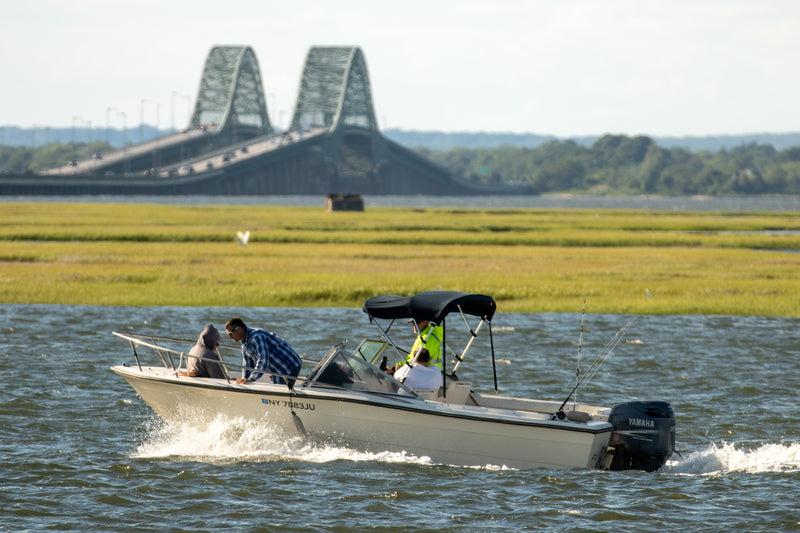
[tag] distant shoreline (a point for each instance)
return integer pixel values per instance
(765, 203)
(438, 141)
(432, 140)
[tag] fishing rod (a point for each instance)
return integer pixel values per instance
(594, 367)
(580, 344)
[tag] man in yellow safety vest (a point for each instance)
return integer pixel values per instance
(430, 338)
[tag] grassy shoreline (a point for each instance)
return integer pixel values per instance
(530, 260)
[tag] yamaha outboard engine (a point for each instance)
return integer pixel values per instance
(643, 436)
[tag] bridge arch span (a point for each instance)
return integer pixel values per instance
(334, 90)
(231, 94)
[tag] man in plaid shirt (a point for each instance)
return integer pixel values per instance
(264, 352)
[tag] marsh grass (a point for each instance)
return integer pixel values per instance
(530, 260)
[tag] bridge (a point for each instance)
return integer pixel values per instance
(333, 143)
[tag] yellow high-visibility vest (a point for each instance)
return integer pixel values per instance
(433, 343)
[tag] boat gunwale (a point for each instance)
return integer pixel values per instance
(391, 400)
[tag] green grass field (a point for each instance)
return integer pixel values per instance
(530, 260)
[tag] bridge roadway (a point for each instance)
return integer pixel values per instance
(119, 156)
(218, 172)
(235, 153)
(292, 162)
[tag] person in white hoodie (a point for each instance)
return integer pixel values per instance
(197, 364)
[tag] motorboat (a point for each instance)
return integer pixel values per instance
(347, 398)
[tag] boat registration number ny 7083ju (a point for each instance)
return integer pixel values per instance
(286, 403)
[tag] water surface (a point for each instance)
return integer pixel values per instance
(771, 203)
(79, 451)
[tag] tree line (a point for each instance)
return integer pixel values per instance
(619, 164)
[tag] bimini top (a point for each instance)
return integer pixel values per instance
(430, 305)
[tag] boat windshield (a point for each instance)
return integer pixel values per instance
(350, 372)
(374, 351)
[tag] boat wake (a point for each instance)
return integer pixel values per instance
(225, 441)
(727, 458)
(240, 440)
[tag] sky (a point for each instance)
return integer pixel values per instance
(563, 68)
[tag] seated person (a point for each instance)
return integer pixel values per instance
(421, 375)
(430, 339)
(205, 348)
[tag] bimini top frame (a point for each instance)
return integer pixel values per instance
(434, 306)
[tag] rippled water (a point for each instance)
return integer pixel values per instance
(79, 451)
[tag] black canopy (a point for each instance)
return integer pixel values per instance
(430, 305)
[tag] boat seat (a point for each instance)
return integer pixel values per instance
(517, 404)
(427, 394)
(458, 392)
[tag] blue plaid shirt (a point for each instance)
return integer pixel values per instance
(266, 352)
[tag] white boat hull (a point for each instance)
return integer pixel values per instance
(451, 434)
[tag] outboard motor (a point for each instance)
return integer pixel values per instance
(643, 436)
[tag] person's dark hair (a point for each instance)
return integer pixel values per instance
(235, 322)
(423, 355)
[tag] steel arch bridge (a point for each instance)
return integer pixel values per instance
(333, 144)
